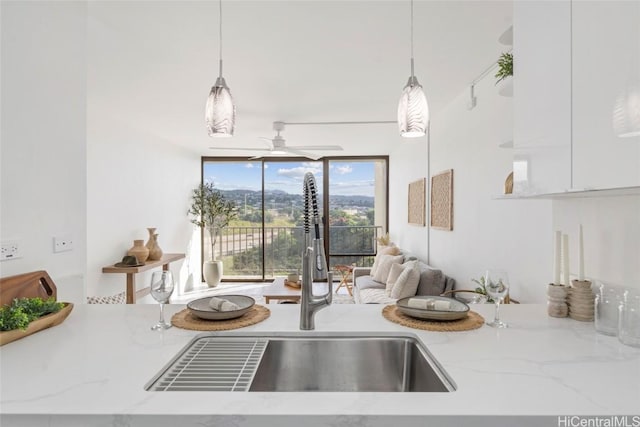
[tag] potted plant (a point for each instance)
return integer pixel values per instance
(210, 211)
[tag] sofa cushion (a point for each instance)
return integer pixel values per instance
(407, 283)
(394, 273)
(432, 281)
(367, 282)
(387, 250)
(384, 267)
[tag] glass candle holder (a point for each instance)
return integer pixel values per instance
(606, 309)
(629, 319)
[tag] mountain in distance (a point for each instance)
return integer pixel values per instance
(282, 197)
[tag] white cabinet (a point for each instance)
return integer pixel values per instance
(542, 96)
(605, 66)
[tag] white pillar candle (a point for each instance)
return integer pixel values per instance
(556, 261)
(581, 257)
(565, 259)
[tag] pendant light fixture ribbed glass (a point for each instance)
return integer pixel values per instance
(626, 113)
(220, 112)
(413, 110)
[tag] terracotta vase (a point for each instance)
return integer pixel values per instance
(139, 250)
(155, 253)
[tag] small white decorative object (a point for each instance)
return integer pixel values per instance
(565, 260)
(557, 262)
(581, 257)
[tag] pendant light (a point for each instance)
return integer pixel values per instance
(413, 110)
(220, 114)
(626, 113)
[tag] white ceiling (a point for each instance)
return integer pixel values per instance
(151, 65)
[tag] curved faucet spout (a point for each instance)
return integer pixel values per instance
(314, 262)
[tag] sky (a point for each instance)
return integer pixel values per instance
(347, 178)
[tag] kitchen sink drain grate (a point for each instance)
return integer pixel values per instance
(213, 364)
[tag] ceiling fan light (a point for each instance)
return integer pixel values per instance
(220, 112)
(626, 114)
(413, 110)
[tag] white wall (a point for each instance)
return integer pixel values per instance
(611, 228)
(43, 188)
(407, 163)
(136, 177)
(514, 235)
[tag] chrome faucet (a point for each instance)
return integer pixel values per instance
(314, 262)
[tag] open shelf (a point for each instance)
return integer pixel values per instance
(575, 194)
(506, 38)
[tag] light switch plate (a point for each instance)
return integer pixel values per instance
(62, 243)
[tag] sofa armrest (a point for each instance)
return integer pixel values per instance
(360, 271)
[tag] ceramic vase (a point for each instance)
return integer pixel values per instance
(139, 250)
(212, 271)
(155, 252)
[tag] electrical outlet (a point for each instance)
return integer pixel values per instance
(62, 243)
(10, 249)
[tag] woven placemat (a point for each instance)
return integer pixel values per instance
(472, 321)
(185, 320)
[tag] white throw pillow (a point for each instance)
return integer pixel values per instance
(406, 284)
(386, 250)
(396, 270)
(384, 267)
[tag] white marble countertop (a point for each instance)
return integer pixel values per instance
(97, 362)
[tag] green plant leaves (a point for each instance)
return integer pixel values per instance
(23, 311)
(505, 67)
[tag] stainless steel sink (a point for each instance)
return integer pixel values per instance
(304, 362)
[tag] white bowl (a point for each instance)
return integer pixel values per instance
(201, 309)
(458, 309)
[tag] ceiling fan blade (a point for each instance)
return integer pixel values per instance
(268, 141)
(302, 153)
(317, 147)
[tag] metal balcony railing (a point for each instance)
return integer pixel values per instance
(242, 248)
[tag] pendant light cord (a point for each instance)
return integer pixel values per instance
(412, 39)
(220, 35)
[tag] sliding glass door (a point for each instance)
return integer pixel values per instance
(357, 209)
(267, 238)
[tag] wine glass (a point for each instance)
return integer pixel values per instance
(496, 283)
(161, 290)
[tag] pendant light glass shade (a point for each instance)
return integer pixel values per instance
(413, 110)
(626, 113)
(220, 113)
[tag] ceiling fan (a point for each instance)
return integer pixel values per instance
(276, 146)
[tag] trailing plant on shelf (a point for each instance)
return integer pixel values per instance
(505, 67)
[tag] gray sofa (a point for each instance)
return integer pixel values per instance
(368, 291)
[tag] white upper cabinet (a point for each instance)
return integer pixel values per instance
(606, 89)
(542, 96)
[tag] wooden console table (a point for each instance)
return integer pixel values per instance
(132, 271)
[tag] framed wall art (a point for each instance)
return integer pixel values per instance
(442, 200)
(417, 205)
